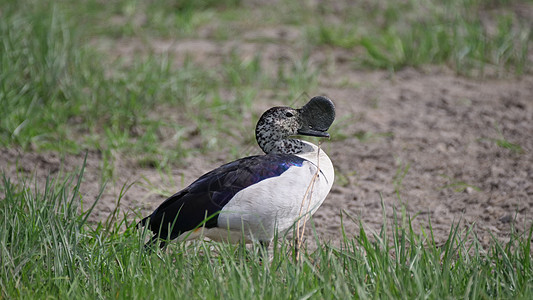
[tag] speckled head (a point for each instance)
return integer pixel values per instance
(277, 124)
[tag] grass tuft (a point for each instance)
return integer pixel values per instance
(49, 250)
(472, 37)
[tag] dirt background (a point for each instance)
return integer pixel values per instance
(427, 143)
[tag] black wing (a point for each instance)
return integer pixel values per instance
(206, 196)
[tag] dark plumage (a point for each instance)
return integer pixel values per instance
(208, 194)
(238, 197)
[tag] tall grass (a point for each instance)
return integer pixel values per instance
(475, 38)
(58, 93)
(48, 249)
(37, 62)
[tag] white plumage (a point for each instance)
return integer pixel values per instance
(256, 196)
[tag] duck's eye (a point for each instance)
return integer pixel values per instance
(289, 114)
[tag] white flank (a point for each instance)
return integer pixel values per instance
(276, 203)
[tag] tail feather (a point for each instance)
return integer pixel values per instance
(154, 239)
(143, 222)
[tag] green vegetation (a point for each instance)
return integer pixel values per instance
(503, 143)
(66, 85)
(48, 249)
(63, 89)
(458, 186)
(61, 94)
(473, 37)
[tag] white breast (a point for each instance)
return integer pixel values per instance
(277, 203)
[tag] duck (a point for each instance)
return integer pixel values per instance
(256, 197)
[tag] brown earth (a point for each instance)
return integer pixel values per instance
(425, 142)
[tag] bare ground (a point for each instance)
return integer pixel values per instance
(427, 143)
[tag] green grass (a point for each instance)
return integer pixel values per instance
(473, 37)
(60, 91)
(61, 94)
(476, 38)
(49, 250)
(503, 143)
